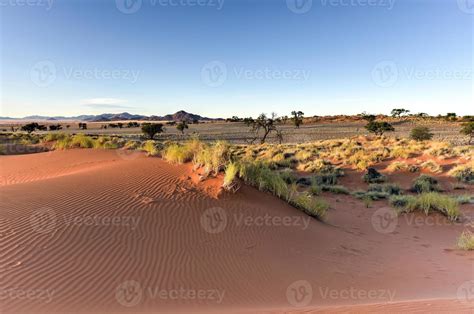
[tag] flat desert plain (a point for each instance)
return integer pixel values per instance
(95, 231)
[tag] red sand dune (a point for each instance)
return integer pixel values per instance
(90, 231)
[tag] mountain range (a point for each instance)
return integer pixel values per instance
(178, 116)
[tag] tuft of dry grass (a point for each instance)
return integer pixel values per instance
(466, 241)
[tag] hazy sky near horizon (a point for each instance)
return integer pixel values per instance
(220, 58)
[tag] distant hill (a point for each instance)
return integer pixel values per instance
(106, 117)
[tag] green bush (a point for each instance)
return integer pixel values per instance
(421, 133)
(424, 184)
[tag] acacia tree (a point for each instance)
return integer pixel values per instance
(451, 116)
(30, 127)
(368, 117)
(421, 133)
(266, 125)
(468, 130)
(379, 128)
(297, 118)
(183, 125)
(151, 129)
(397, 113)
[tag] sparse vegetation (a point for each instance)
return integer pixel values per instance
(468, 130)
(177, 154)
(425, 183)
(463, 173)
(466, 241)
(428, 202)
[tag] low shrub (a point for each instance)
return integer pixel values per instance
(463, 173)
(230, 175)
(425, 183)
(466, 241)
(313, 207)
(372, 195)
(51, 137)
(397, 166)
(177, 154)
(404, 203)
(325, 179)
(432, 166)
(337, 189)
(288, 176)
(421, 133)
(81, 141)
(373, 176)
(465, 199)
(428, 202)
(150, 147)
(213, 158)
(389, 188)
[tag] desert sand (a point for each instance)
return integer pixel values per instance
(99, 231)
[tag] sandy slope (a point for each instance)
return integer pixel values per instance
(90, 231)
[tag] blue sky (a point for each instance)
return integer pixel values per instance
(221, 58)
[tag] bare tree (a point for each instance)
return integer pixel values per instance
(263, 126)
